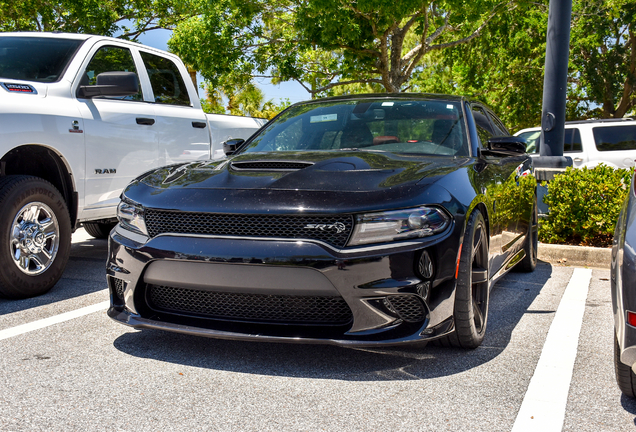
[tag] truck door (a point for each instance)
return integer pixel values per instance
(120, 134)
(182, 127)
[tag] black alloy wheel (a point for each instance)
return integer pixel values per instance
(472, 294)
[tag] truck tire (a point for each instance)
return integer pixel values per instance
(99, 230)
(35, 236)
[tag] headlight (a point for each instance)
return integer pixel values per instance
(131, 217)
(389, 226)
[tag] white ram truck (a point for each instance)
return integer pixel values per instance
(80, 117)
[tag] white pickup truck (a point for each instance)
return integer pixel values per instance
(80, 117)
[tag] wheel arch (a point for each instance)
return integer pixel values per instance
(46, 163)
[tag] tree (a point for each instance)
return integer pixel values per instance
(324, 44)
(248, 100)
(104, 17)
(505, 65)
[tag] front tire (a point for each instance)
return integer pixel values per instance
(625, 377)
(472, 294)
(35, 236)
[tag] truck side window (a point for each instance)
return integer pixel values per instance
(166, 81)
(572, 141)
(111, 59)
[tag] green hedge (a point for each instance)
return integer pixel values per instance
(584, 205)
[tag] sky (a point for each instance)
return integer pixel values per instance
(289, 90)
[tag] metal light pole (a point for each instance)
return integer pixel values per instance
(555, 89)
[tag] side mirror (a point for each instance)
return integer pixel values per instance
(231, 145)
(506, 146)
(111, 84)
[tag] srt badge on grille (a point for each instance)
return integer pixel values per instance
(338, 227)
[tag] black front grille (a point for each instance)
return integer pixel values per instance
(408, 307)
(334, 230)
(285, 309)
(270, 165)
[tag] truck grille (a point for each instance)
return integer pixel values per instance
(286, 309)
(334, 230)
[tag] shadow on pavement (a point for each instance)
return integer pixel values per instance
(629, 405)
(84, 274)
(510, 299)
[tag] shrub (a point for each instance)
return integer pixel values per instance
(584, 205)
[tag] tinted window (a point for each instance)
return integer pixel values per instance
(484, 128)
(111, 59)
(166, 81)
(572, 140)
(499, 127)
(401, 126)
(35, 59)
(615, 138)
(532, 141)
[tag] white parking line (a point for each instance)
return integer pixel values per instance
(543, 407)
(56, 319)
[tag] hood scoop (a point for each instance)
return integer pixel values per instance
(270, 165)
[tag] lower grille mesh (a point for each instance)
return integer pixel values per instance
(408, 307)
(250, 307)
(119, 286)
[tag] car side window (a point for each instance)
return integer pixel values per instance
(572, 141)
(499, 128)
(111, 59)
(165, 80)
(484, 128)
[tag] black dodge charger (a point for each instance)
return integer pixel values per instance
(357, 220)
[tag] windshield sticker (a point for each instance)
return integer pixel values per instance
(449, 106)
(323, 118)
(19, 88)
(387, 103)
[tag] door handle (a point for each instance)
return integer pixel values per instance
(577, 159)
(199, 125)
(145, 121)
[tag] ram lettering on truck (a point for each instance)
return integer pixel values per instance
(80, 117)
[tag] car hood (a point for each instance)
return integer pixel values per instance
(353, 171)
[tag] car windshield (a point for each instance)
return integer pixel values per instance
(35, 58)
(432, 127)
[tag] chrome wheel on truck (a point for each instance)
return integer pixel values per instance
(35, 230)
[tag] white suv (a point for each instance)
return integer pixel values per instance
(591, 142)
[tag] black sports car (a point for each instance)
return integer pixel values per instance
(623, 274)
(368, 219)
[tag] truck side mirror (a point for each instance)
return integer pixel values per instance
(111, 84)
(231, 145)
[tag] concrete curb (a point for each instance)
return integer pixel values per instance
(575, 255)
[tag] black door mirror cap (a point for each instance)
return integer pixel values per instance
(111, 84)
(505, 146)
(231, 145)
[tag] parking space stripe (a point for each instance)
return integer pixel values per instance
(543, 407)
(56, 319)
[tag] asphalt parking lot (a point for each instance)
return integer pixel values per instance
(78, 370)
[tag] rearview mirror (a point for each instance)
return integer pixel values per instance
(231, 145)
(505, 146)
(111, 84)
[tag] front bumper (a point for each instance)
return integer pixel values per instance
(367, 280)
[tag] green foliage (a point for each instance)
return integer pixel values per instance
(102, 17)
(247, 100)
(505, 65)
(584, 205)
